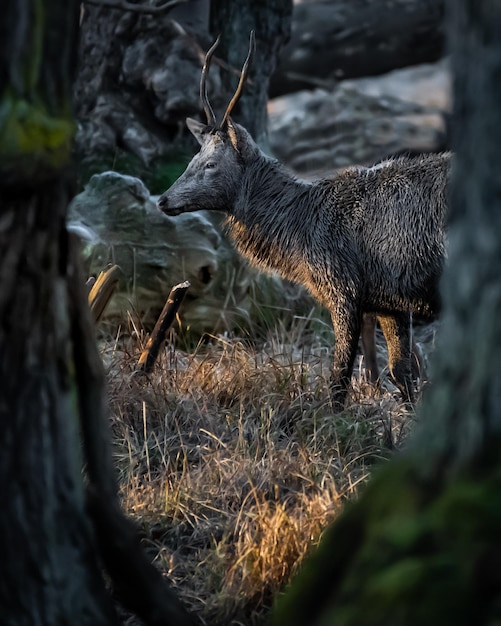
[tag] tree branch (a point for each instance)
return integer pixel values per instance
(201, 52)
(136, 8)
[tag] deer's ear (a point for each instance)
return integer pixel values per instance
(198, 129)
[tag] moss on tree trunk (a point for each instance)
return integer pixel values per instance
(50, 572)
(36, 74)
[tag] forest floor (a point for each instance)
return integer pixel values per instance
(231, 461)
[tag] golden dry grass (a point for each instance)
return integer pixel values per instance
(232, 463)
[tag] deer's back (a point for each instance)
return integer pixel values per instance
(393, 215)
(394, 191)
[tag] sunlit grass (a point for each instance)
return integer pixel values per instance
(232, 462)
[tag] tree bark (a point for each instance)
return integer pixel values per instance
(57, 530)
(137, 82)
(49, 563)
(341, 39)
(468, 396)
(50, 572)
(234, 21)
(421, 545)
(140, 76)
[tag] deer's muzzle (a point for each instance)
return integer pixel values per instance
(163, 205)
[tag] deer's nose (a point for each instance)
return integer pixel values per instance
(162, 203)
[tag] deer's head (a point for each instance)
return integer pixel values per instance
(212, 177)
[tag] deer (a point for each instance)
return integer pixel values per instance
(365, 241)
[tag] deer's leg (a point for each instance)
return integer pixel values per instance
(369, 346)
(397, 332)
(347, 324)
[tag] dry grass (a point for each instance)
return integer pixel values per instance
(232, 462)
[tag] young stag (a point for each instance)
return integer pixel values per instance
(366, 240)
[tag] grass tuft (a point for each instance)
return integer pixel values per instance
(232, 462)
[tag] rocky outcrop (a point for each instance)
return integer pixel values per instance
(138, 80)
(333, 40)
(361, 121)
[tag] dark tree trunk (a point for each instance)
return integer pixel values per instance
(341, 39)
(140, 78)
(468, 396)
(234, 21)
(50, 573)
(57, 531)
(421, 545)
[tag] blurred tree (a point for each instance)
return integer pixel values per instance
(336, 39)
(422, 544)
(57, 529)
(234, 20)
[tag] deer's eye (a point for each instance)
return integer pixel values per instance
(210, 165)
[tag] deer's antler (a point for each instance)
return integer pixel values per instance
(209, 112)
(243, 77)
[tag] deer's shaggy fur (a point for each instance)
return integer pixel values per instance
(366, 240)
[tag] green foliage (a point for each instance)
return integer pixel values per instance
(405, 555)
(163, 174)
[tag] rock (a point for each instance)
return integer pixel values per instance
(362, 121)
(118, 222)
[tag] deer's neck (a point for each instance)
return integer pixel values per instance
(270, 221)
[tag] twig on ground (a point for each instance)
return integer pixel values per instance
(164, 322)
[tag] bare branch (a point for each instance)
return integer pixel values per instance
(201, 53)
(136, 8)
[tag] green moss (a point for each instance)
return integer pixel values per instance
(31, 140)
(407, 553)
